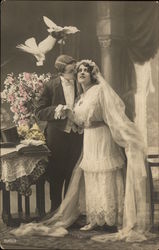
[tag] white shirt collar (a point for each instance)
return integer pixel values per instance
(67, 82)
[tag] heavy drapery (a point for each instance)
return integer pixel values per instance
(142, 31)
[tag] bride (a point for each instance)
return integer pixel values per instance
(98, 186)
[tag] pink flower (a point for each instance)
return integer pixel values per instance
(23, 122)
(21, 91)
(27, 76)
(23, 109)
(14, 109)
(11, 98)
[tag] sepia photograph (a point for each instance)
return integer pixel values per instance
(79, 130)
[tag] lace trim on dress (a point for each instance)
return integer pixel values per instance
(102, 217)
(104, 197)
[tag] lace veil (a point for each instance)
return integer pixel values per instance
(126, 134)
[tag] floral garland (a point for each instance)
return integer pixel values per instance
(87, 61)
(21, 93)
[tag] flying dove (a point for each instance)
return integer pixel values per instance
(39, 50)
(59, 32)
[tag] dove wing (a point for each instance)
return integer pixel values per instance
(49, 22)
(47, 44)
(52, 25)
(31, 42)
(26, 48)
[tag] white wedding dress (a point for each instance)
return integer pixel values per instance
(102, 113)
(102, 161)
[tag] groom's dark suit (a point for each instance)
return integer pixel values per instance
(65, 147)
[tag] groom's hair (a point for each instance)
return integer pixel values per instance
(62, 61)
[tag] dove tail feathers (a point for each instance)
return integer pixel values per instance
(20, 46)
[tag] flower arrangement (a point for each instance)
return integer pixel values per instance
(21, 93)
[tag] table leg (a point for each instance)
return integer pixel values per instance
(151, 194)
(6, 215)
(20, 210)
(40, 197)
(27, 206)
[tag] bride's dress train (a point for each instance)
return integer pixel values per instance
(66, 215)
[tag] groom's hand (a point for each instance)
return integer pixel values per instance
(60, 112)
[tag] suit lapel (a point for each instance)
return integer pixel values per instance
(59, 92)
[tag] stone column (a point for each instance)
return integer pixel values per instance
(110, 33)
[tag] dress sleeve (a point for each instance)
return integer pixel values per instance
(77, 119)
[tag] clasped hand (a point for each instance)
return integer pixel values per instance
(63, 112)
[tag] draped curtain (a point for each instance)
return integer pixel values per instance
(142, 38)
(142, 29)
(140, 45)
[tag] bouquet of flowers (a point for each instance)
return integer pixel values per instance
(22, 93)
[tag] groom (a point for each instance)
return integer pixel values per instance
(65, 145)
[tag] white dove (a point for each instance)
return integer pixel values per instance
(39, 50)
(59, 31)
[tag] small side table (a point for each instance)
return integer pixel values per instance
(17, 173)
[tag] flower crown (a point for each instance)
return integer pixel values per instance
(89, 62)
